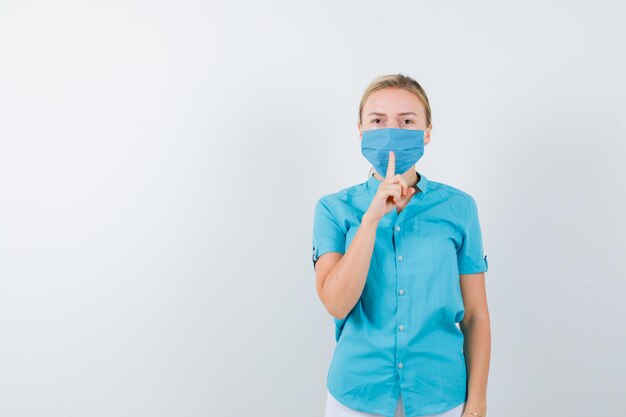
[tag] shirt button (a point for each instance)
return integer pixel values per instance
(397, 228)
(400, 258)
(401, 327)
(400, 365)
(401, 292)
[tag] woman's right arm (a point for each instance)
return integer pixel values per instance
(340, 278)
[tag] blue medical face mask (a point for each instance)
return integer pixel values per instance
(407, 145)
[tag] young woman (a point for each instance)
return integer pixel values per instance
(399, 264)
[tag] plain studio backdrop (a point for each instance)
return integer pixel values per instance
(160, 162)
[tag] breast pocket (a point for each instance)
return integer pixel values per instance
(434, 242)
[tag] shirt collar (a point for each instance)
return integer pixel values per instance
(422, 184)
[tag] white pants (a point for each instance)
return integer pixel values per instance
(335, 409)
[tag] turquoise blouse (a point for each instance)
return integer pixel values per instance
(403, 336)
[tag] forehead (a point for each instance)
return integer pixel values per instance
(393, 100)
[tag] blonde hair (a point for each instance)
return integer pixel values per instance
(398, 81)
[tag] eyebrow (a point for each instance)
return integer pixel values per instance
(399, 114)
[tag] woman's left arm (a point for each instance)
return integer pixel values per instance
(477, 345)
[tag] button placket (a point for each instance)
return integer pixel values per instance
(400, 312)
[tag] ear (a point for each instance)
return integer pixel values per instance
(358, 126)
(427, 134)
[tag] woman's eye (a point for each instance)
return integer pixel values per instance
(374, 121)
(410, 121)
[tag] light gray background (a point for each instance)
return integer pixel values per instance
(160, 161)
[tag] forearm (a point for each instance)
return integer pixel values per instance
(477, 350)
(345, 282)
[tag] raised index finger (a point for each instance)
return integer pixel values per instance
(391, 166)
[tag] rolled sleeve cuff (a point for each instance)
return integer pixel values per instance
(474, 266)
(322, 248)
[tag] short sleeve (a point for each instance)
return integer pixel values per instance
(470, 256)
(328, 236)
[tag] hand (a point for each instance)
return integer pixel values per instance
(391, 191)
(470, 408)
(469, 414)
